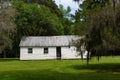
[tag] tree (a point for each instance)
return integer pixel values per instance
(104, 32)
(48, 3)
(63, 14)
(35, 21)
(7, 27)
(66, 20)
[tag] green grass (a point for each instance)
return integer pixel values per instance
(108, 68)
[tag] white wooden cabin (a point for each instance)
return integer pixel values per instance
(49, 47)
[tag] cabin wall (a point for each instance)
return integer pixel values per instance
(38, 53)
(71, 53)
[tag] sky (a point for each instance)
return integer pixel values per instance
(74, 5)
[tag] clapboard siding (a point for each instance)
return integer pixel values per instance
(38, 53)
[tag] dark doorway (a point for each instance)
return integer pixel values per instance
(58, 52)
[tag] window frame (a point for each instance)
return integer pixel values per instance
(30, 50)
(46, 50)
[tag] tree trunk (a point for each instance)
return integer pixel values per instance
(81, 55)
(88, 58)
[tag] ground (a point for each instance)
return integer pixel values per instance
(108, 68)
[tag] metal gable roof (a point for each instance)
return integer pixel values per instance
(33, 41)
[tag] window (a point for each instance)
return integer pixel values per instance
(30, 50)
(45, 50)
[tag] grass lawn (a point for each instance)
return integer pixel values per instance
(108, 68)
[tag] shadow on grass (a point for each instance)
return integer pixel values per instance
(8, 59)
(100, 67)
(54, 75)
